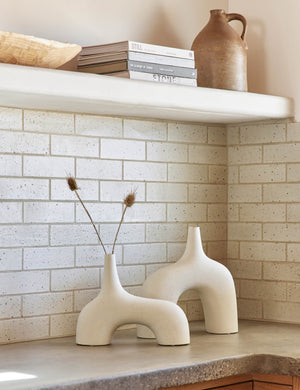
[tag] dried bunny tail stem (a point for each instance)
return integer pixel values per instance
(73, 187)
(72, 183)
(128, 201)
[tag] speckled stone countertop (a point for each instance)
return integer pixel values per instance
(136, 364)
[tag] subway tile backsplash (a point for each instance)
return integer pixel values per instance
(264, 219)
(240, 184)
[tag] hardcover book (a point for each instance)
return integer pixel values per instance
(139, 47)
(159, 78)
(119, 66)
(135, 56)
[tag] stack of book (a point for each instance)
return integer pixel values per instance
(140, 61)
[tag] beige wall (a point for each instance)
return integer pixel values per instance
(273, 38)
(86, 22)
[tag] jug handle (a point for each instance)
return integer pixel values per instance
(241, 19)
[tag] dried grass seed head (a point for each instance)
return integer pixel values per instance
(130, 199)
(72, 183)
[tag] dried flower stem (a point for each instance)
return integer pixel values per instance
(85, 209)
(74, 187)
(123, 214)
(128, 201)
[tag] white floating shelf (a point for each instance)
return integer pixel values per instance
(59, 90)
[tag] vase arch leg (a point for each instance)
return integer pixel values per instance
(220, 310)
(215, 288)
(166, 320)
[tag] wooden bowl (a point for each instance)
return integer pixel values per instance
(32, 51)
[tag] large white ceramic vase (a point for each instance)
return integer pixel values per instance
(114, 307)
(194, 270)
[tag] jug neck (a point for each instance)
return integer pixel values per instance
(217, 12)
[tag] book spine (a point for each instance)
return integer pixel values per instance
(162, 69)
(160, 78)
(159, 59)
(162, 50)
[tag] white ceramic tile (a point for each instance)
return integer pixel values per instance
(23, 235)
(293, 131)
(166, 192)
(129, 233)
(48, 257)
(262, 251)
(23, 188)
(10, 307)
(21, 142)
(40, 166)
(63, 325)
(283, 271)
(83, 297)
(48, 122)
(74, 146)
(48, 212)
(131, 275)
(148, 130)
(48, 303)
(98, 169)
(262, 173)
(187, 212)
(244, 231)
(122, 149)
(72, 234)
(144, 253)
(11, 212)
(217, 135)
(146, 212)
(166, 152)
(207, 154)
(96, 125)
(187, 173)
(282, 192)
(262, 133)
(245, 154)
(88, 190)
(282, 153)
(175, 251)
(187, 132)
(74, 279)
(93, 256)
(208, 193)
(10, 165)
(111, 191)
(24, 282)
(10, 118)
(289, 232)
(145, 171)
(23, 329)
(100, 212)
(167, 232)
(10, 259)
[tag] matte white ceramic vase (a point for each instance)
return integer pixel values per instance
(114, 307)
(196, 271)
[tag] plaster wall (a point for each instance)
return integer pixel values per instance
(273, 38)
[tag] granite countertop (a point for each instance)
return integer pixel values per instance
(131, 363)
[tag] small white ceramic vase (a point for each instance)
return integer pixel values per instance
(194, 270)
(114, 307)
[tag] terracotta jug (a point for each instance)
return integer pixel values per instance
(221, 54)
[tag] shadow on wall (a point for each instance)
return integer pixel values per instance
(162, 31)
(257, 67)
